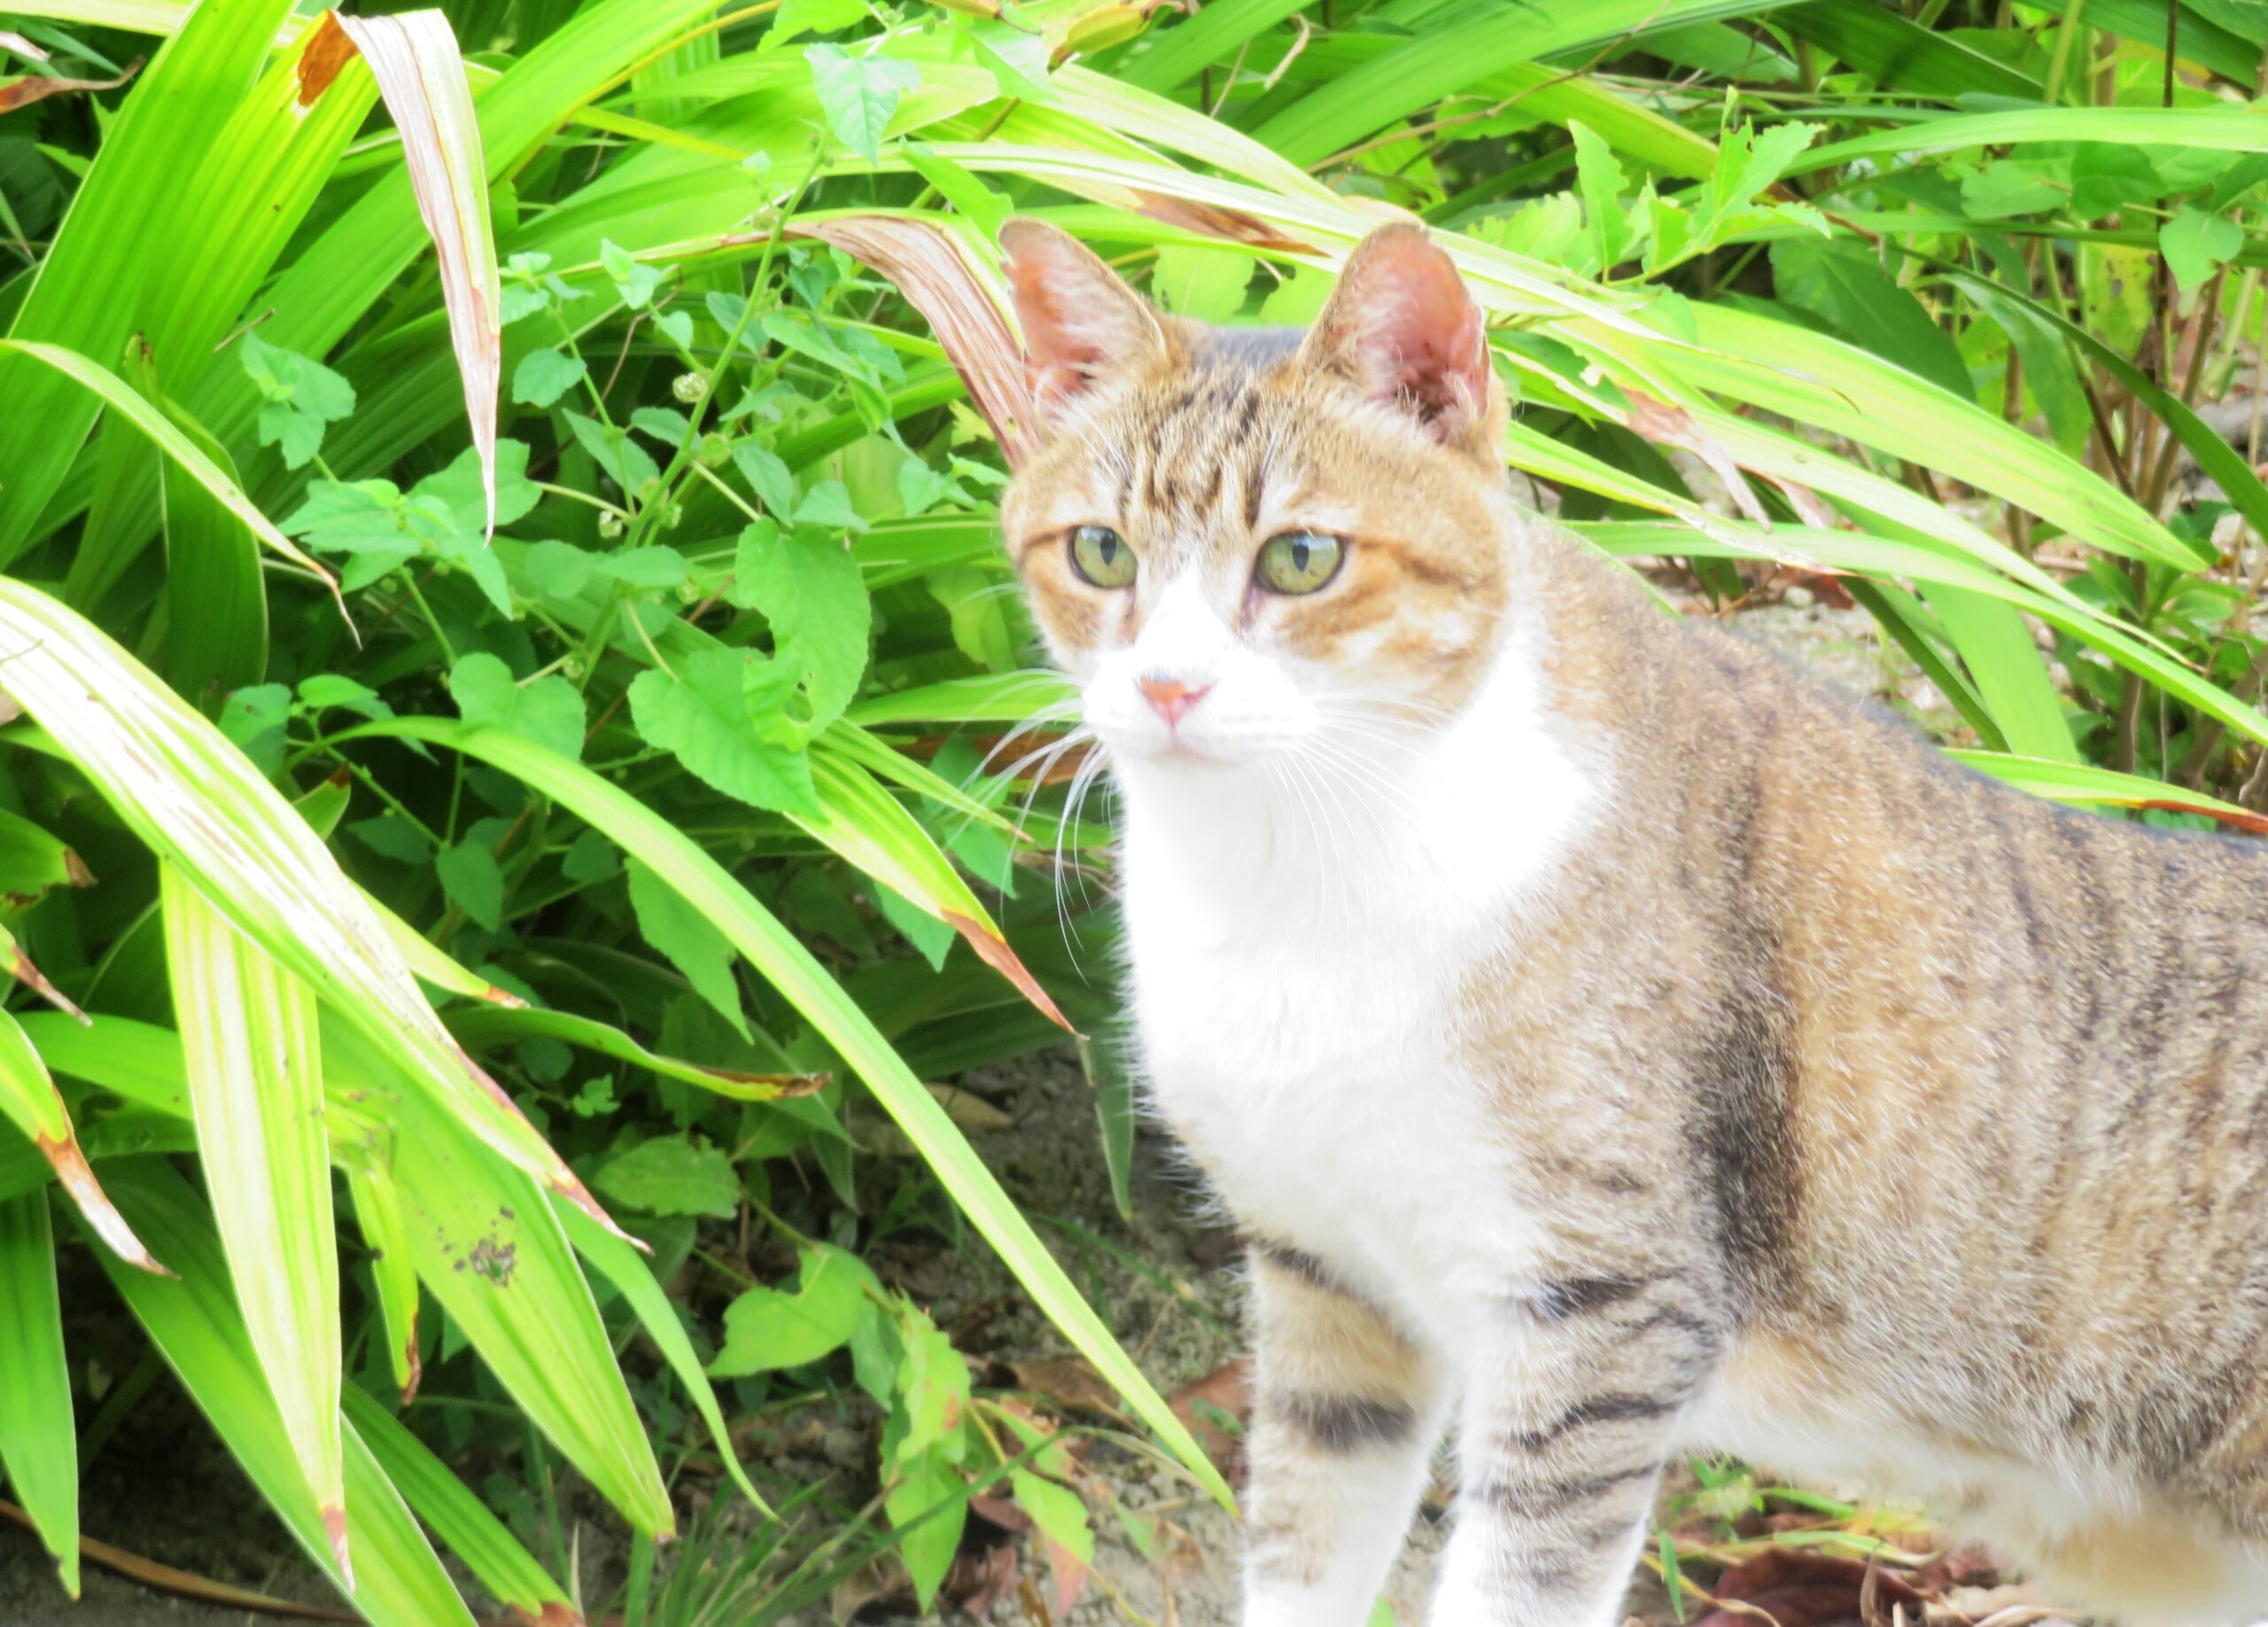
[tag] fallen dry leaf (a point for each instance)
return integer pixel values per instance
(1070, 1381)
(1800, 1587)
(1225, 1392)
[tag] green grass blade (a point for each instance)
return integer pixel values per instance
(2082, 785)
(39, 1451)
(86, 294)
(453, 1514)
(776, 955)
(2010, 673)
(107, 389)
(193, 797)
(247, 196)
(620, 1265)
(194, 1322)
(482, 1028)
(2229, 129)
(393, 1272)
(255, 1089)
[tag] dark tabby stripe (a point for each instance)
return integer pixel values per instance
(1616, 1407)
(1343, 1425)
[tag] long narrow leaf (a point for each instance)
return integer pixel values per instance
(195, 1325)
(775, 953)
(255, 1086)
(39, 1450)
(189, 793)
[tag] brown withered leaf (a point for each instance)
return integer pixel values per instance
(979, 1584)
(23, 91)
(1216, 220)
(1800, 1587)
(329, 51)
(1670, 425)
(1225, 1391)
(22, 47)
(930, 269)
(1070, 1381)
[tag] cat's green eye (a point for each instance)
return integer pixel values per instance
(1299, 562)
(1101, 556)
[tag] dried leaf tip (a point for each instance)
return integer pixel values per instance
(334, 1526)
(78, 1178)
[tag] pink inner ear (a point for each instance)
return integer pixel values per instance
(1059, 354)
(1422, 335)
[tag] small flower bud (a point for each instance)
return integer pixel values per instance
(688, 387)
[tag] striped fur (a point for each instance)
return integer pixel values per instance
(1616, 1045)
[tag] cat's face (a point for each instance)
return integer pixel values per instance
(1248, 545)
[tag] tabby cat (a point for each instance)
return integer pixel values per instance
(1610, 1044)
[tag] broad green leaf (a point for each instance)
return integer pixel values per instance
(723, 718)
(194, 1322)
(473, 881)
(1206, 285)
(860, 94)
(2010, 672)
(255, 1087)
(33, 860)
(689, 941)
(671, 1175)
(300, 398)
(768, 1329)
(928, 1503)
(39, 1450)
(807, 585)
(548, 710)
(543, 376)
(1058, 1511)
(2195, 244)
(1601, 183)
(776, 955)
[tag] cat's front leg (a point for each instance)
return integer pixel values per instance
(1346, 1413)
(1568, 1416)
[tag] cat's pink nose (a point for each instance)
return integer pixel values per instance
(1170, 699)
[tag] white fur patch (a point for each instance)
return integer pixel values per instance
(1300, 924)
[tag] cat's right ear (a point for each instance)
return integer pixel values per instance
(1080, 319)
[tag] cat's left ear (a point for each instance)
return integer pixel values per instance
(1081, 321)
(1401, 327)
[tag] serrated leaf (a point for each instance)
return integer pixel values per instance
(2195, 244)
(722, 717)
(860, 94)
(766, 1330)
(767, 476)
(626, 463)
(688, 941)
(671, 1175)
(809, 588)
(543, 376)
(473, 881)
(548, 711)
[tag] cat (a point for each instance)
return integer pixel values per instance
(1610, 1044)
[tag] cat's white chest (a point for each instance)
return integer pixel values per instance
(1301, 968)
(1314, 1076)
